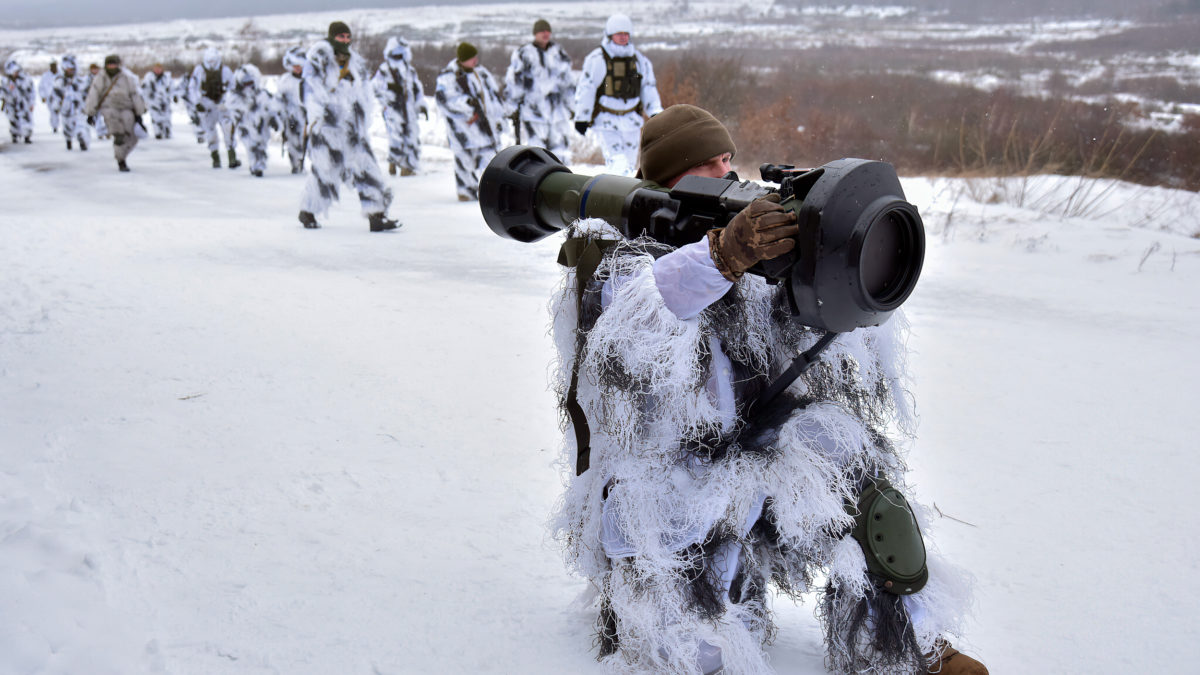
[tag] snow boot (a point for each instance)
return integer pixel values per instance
(308, 220)
(233, 160)
(391, 169)
(122, 166)
(216, 159)
(380, 222)
(954, 662)
(405, 171)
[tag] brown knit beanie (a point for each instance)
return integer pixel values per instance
(540, 25)
(679, 138)
(466, 51)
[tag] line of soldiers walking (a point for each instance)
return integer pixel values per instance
(322, 103)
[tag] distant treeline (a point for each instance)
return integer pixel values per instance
(809, 116)
(985, 10)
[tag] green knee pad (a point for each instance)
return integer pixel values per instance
(887, 531)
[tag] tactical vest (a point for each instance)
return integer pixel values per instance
(213, 86)
(621, 80)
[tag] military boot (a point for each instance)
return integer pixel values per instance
(233, 160)
(380, 222)
(308, 220)
(391, 168)
(82, 144)
(216, 159)
(122, 166)
(405, 171)
(68, 144)
(954, 662)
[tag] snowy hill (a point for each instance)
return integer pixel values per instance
(230, 445)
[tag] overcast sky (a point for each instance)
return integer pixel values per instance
(37, 13)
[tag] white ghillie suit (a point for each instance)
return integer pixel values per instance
(470, 102)
(183, 91)
(686, 515)
(254, 114)
(402, 99)
(45, 92)
(338, 108)
(540, 89)
(70, 91)
(157, 92)
(289, 96)
(617, 118)
(19, 96)
(210, 82)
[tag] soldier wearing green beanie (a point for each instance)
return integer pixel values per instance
(539, 89)
(338, 106)
(469, 98)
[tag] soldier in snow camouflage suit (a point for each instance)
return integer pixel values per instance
(19, 97)
(688, 501)
(539, 88)
(470, 100)
(156, 90)
(254, 114)
(46, 92)
(70, 90)
(338, 105)
(289, 97)
(210, 80)
(616, 93)
(402, 99)
(182, 91)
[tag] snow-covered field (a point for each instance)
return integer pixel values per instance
(231, 445)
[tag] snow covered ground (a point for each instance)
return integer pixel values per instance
(231, 445)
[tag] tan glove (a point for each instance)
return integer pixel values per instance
(761, 231)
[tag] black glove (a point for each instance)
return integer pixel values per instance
(91, 120)
(582, 127)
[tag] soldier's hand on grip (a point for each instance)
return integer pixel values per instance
(761, 231)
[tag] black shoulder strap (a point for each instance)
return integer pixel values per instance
(584, 255)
